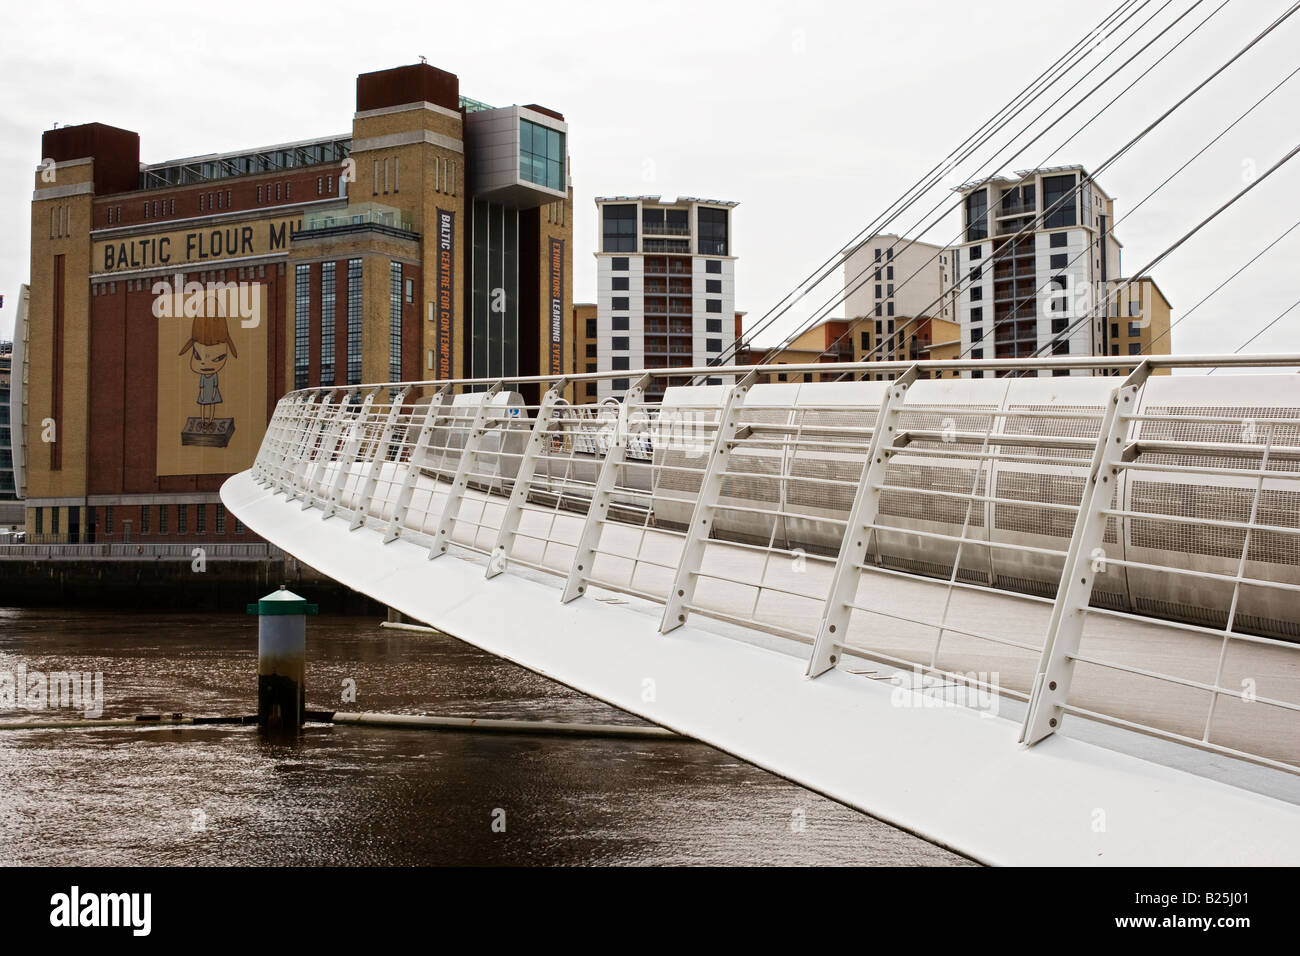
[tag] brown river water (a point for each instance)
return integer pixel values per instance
(365, 796)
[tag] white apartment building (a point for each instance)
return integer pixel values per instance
(892, 287)
(1018, 291)
(665, 287)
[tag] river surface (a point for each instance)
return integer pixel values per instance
(366, 796)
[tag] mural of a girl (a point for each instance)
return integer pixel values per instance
(209, 347)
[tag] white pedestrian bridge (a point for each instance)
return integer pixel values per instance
(1034, 617)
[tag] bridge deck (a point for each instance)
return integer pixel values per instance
(851, 737)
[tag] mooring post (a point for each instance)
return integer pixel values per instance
(281, 660)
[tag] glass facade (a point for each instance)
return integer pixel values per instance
(977, 215)
(301, 326)
(619, 228)
(1059, 190)
(354, 322)
(494, 292)
(541, 155)
(712, 231)
(327, 323)
(394, 321)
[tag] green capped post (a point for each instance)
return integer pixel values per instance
(281, 660)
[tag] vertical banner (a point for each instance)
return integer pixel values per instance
(446, 292)
(557, 306)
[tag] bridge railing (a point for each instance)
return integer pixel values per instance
(1124, 548)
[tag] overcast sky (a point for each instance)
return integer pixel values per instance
(813, 116)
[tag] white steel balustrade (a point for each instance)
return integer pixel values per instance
(1125, 549)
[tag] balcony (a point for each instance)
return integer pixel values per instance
(665, 245)
(664, 229)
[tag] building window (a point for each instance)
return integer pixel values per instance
(619, 228)
(1059, 239)
(327, 290)
(182, 519)
(977, 314)
(221, 520)
(201, 519)
(1059, 190)
(889, 308)
(976, 293)
(977, 333)
(713, 266)
(301, 323)
(713, 325)
(239, 526)
(354, 321)
(880, 310)
(889, 289)
(619, 363)
(1058, 325)
(1134, 329)
(713, 345)
(713, 285)
(877, 255)
(865, 339)
(618, 323)
(40, 520)
(591, 350)
(541, 156)
(620, 384)
(977, 353)
(1135, 348)
(620, 283)
(713, 305)
(619, 343)
(394, 321)
(619, 264)
(591, 328)
(1060, 260)
(976, 252)
(712, 231)
(879, 290)
(977, 220)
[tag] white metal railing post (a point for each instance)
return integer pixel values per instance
(415, 461)
(313, 429)
(347, 458)
(584, 556)
(273, 445)
(325, 452)
(291, 447)
(697, 533)
(505, 541)
(834, 626)
(377, 459)
(1051, 686)
(459, 483)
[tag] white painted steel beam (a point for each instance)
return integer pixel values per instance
(834, 626)
(686, 577)
(467, 463)
(505, 540)
(602, 496)
(1074, 593)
